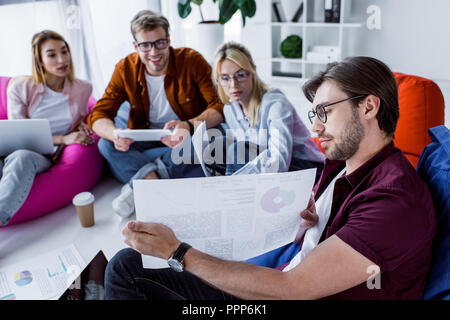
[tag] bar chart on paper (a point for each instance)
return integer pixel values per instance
(56, 273)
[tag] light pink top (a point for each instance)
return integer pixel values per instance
(24, 96)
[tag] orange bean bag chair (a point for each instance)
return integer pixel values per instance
(421, 106)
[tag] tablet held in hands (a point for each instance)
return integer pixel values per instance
(143, 134)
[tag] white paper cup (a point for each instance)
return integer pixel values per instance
(84, 204)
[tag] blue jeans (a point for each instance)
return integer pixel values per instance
(126, 279)
(276, 257)
(17, 173)
(236, 154)
(144, 157)
(243, 152)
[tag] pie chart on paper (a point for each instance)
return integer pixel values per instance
(23, 278)
(273, 200)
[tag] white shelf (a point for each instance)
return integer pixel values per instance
(290, 60)
(288, 79)
(317, 24)
(314, 32)
(297, 60)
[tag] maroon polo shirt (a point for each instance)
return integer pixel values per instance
(384, 211)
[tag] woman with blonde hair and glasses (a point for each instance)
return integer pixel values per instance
(52, 93)
(266, 133)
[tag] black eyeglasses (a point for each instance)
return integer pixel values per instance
(320, 109)
(159, 44)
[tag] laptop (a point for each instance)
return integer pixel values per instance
(30, 134)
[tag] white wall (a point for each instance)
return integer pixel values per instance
(413, 39)
(19, 22)
(111, 33)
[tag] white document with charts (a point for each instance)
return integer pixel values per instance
(230, 217)
(41, 277)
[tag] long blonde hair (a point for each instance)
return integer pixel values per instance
(36, 45)
(240, 55)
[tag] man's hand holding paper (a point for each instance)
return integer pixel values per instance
(310, 218)
(153, 239)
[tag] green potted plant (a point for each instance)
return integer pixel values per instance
(227, 8)
(209, 34)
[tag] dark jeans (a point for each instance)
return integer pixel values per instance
(126, 279)
(144, 157)
(227, 165)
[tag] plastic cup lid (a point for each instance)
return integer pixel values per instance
(83, 198)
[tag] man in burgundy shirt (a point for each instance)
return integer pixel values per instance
(377, 214)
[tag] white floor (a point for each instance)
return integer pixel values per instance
(61, 228)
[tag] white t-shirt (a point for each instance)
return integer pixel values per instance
(54, 106)
(160, 109)
(313, 234)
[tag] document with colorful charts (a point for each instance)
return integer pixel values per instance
(230, 217)
(45, 277)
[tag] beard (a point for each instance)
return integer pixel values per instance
(349, 140)
(159, 67)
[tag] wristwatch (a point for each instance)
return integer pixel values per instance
(191, 127)
(176, 260)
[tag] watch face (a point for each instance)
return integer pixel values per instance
(175, 265)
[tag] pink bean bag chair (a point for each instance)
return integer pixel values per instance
(78, 170)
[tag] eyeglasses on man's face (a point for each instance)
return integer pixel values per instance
(159, 44)
(240, 76)
(320, 109)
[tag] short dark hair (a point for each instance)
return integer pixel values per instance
(148, 20)
(362, 76)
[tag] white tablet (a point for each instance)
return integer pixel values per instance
(143, 134)
(30, 134)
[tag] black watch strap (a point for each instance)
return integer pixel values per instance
(181, 251)
(191, 127)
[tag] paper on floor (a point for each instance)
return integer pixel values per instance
(43, 277)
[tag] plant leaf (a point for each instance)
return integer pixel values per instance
(243, 19)
(248, 8)
(226, 10)
(184, 8)
(198, 2)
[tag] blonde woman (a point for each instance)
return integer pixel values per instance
(267, 134)
(50, 93)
